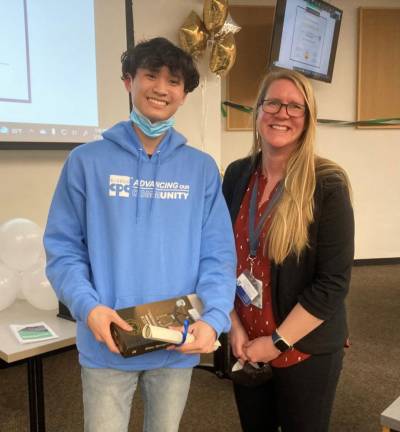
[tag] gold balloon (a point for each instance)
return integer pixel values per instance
(214, 14)
(223, 55)
(193, 35)
(230, 26)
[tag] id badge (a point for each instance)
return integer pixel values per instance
(249, 289)
(258, 302)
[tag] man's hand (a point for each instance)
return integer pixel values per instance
(99, 320)
(204, 338)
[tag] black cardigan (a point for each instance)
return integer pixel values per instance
(320, 279)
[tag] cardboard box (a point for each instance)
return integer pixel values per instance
(166, 313)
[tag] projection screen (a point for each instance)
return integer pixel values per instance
(60, 70)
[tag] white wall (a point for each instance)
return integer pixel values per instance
(371, 157)
(27, 181)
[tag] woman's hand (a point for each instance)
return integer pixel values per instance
(261, 350)
(238, 338)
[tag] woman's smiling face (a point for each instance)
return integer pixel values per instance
(280, 132)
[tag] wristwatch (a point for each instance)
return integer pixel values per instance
(280, 343)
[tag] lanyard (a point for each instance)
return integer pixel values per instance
(255, 231)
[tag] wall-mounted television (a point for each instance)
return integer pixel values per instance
(305, 37)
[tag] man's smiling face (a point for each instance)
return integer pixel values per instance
(157, 94)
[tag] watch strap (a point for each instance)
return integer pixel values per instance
(280, 343)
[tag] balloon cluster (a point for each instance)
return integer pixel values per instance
(217, 30)
(22, 266)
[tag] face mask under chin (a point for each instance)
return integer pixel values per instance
(152, 130)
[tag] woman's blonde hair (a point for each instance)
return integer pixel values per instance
(288, 232)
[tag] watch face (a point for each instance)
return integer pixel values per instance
(281, 345)
(279, 342)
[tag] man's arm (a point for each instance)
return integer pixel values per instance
(217, 268)
(68, 266)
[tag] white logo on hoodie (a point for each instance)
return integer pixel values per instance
(125, 186)
(119, 186)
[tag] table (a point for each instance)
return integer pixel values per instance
(11, 351)
(390, 418)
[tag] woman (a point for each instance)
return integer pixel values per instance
(294, 230)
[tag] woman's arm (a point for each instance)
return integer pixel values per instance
(334, 258)
(238, 338)
(297, 324)
(334, 252)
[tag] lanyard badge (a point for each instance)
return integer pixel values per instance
(249, 289)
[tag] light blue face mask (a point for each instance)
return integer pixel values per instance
(152, 130)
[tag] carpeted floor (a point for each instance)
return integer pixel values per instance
(369, 383)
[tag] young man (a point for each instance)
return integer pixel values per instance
(139, 217)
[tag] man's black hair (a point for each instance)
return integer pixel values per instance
(156, 53)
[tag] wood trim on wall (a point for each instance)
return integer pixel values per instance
(378, 88)
(377, 261)
(253, 46)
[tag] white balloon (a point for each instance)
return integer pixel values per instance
(20, 294)
(37, 289)
(8, 287)
(20, 243)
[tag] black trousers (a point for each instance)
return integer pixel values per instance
(298, 398)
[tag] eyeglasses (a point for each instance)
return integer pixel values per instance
(273, 106)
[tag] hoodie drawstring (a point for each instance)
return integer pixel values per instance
(138, 173)
(154, 182)
(153, 195)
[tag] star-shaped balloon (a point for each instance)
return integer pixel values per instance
(216, 29)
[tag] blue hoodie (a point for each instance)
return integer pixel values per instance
(125, 229)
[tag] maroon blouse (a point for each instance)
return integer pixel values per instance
(258, 322)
